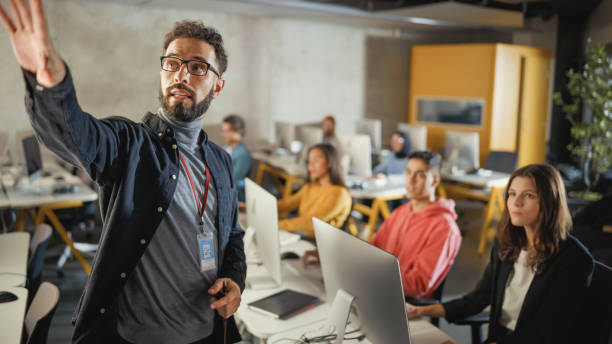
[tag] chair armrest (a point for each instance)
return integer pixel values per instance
(478, 319)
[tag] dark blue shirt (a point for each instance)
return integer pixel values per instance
(133, 164)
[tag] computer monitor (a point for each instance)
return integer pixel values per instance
(372, 276)
(32, 157)
(372, 128)
(418, 135)
(284, 134)
(262, 218)
(359, 149)
(309, 136)
(461, 150)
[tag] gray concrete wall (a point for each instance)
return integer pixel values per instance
(279, 69)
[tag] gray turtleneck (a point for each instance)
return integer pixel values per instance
(166, 300)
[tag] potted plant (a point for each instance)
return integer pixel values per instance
(590, 90)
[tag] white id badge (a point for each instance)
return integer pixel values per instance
(207, 252)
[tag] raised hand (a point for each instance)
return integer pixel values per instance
(32, 43)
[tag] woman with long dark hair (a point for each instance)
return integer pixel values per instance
(538, 273)
(324, 196)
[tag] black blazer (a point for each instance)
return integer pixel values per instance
(551, 304)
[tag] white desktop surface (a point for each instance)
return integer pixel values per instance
(40, 192)
(288, 163)
(14, 254)
(421, 332)
(376, 187)
(483, 179)
(263, 326)
(12, 315)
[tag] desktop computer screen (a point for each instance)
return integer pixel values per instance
(359, 149)
(284, 134)
(33, 159)
(309, 136)
(372, 128)
(461, 150)
(262, 218)
(369, 274)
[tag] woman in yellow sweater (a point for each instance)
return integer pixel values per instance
(324, 196)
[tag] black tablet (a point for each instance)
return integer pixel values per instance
(284, 304)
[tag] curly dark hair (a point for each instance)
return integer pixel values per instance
(197, 29)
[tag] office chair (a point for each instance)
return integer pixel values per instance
(595, 316)
(82, 218)
(39, 314)
(475, 322)
(38, 248)
(436, 297)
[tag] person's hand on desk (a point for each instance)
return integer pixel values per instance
(311, 257)
(414, 312)
(227, 305)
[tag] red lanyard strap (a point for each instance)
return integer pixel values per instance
(195, 193)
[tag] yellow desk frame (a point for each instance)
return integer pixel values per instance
(46, 212)
(493, 199)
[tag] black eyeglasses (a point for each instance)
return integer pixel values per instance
(195, 67)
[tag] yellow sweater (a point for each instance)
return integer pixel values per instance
(331, 204)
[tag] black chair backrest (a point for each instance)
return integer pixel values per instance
(502, 161)
(595, 317)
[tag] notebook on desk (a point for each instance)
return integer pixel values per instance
(284, 304)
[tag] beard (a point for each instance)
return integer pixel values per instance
(178, 111)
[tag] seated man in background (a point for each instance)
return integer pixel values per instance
(233, 130)
(328, 126)
(324, 195)
(423, 233)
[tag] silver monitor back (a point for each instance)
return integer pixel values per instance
(461, 150)
(372, 128)
(284, 134)
(262, 217)
(309, 136)
(369, 274)
(359, 150)
(417, 133)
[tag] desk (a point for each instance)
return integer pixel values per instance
(486, 186)
(14, 259)
(421, 332)
(263, 326)
(12, 315)
(280, 166)
(379, 191)
(39, 201)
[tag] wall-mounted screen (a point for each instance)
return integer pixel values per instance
(450, 111)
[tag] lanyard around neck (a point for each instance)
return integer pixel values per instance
(195, 193)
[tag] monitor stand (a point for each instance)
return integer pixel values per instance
(338, 317)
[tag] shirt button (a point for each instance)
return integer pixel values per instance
(160, 134)
(174, 147)
(123, 275)
(142, 241)
(168, 130)
(102, 310)
(160, 209)
(39, 88)
(174, 176)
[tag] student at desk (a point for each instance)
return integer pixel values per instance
(538, 273)
(324, 196)
(396, 162)
(423, 233)
(233, 129)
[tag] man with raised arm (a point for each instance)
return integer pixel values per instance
(171, 242)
